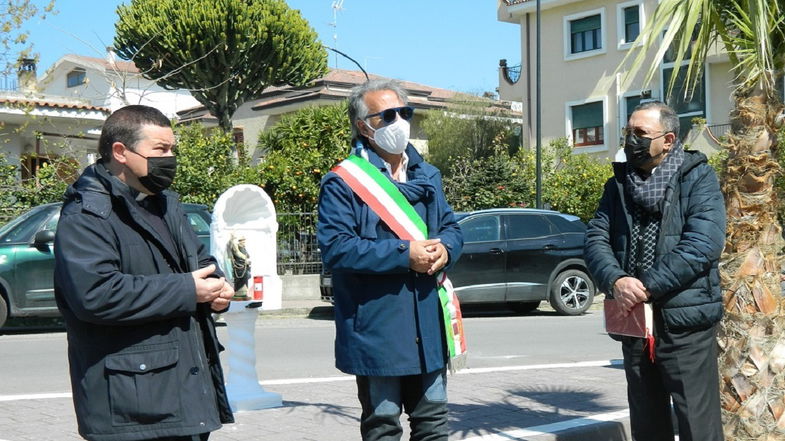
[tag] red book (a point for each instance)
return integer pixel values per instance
(638, 323)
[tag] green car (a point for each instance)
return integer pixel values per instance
(27, 260)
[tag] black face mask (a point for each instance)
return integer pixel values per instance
(160, 172)
(636, 149)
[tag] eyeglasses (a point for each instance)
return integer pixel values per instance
(388, 115)
(641, 134)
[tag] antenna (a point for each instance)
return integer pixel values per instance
(336, 6)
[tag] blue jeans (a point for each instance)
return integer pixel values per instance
(423, 397)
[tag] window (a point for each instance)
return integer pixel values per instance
(481, 229)
(528, 226)
(630, 103)
(75, 78)
(632, 21)
(689, 106)
(587, 124)
(198, 223)
(585, 34)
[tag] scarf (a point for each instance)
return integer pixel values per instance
(649, 192)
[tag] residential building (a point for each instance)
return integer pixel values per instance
(584, 97)
(111, 83)
(259, 114)
(36, 128)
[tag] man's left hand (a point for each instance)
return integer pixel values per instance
(224, 297)
(440, 256)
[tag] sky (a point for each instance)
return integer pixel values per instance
(453, 44)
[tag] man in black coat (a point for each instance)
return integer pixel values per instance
(136, 289)
(657, 237)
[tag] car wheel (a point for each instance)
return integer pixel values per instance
(3, 311)
(523, 307)
(572, 292)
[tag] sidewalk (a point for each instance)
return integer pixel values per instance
(531, 403)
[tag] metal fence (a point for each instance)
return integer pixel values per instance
(298, 251)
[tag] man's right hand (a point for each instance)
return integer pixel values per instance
(207, 288)
(421, 254)
(629, 291)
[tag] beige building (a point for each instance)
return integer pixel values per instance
(583, 97)
(258, 115)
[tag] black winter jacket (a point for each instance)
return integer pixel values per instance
(143, 354)
(684, 281)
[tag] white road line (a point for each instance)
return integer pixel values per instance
(598, 363)
(549, 429)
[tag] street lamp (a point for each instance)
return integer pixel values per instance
(538, 104)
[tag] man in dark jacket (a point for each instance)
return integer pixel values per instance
(136, 289)
(389, 328)
(657, 237)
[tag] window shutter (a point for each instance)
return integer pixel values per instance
(587, 115)
(631, 15)
(585, 24)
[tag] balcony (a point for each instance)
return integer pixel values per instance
(511, 74)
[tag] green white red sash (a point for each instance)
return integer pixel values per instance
(384, 198)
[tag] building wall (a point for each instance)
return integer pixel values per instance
(574, 79)
(114, 89)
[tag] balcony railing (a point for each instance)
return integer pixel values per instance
(515, 2)
(511, 73)
(717, 131)
(9, 83)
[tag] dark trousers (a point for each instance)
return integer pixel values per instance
(685, 371)
(423, 397)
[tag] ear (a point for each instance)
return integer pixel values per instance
(363, 129)
(118, 150)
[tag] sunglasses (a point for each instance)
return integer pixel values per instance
(388, 115)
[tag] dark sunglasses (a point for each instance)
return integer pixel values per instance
(388, 115)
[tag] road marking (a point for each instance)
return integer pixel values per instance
(598, 363)
(549, 429)
(34, 397)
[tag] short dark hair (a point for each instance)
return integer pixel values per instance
(124, 126)
(668, 117)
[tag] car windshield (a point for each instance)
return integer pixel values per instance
(34, 217)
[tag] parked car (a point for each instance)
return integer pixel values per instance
(519, 257)
(27, 260)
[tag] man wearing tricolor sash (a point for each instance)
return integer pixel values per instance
(387, 235)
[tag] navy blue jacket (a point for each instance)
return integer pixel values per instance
(684, 281)
(387, 317)
(143, 354)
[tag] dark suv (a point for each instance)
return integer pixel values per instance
(27, 261)
(519, 257)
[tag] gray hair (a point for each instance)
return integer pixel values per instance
(668, 117)
(358, 109)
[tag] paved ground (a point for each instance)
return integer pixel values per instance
(547, 402)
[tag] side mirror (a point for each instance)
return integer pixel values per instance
(44, 237)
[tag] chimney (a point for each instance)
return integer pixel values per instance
(111, 57)
(26, 76)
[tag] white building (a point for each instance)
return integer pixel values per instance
(111, 83)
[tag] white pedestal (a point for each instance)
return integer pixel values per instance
(242, 383)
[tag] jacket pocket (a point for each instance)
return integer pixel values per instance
(143, 385)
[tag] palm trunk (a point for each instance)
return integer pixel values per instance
(752, 333)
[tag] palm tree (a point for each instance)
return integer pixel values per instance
(752, 333)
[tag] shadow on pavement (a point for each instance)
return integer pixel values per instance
(530, 407)
(327, 409)
(32, 325)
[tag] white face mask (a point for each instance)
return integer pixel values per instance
(392, 138)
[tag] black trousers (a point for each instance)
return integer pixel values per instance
(685, 371)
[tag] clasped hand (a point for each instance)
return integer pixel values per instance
(216, 291)
(629, 291)
(427, 256)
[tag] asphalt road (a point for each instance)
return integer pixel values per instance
(290, 348)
